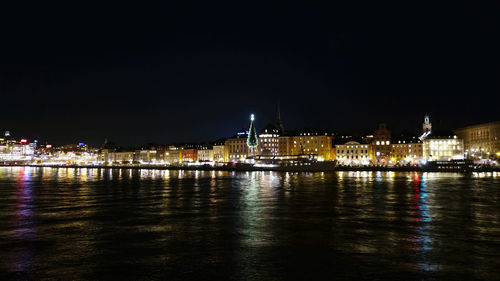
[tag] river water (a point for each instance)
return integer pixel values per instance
(101, 224)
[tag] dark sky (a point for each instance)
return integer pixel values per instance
(151, 72)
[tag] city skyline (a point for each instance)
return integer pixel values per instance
(260, 124)
(272, 147)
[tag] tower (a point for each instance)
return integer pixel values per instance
(426, 126)
(278, 120)
(252, 140)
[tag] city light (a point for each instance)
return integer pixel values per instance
(267, 148)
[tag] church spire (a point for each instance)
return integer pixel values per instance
(278, 120)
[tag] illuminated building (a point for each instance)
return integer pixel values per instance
(71, 154)
(481, 141)
(407, 151)
(105, 156)
(272, 139)
(126, 157)
(317, 143)
(285, 144)
(440, 145)
(13, 150)
(218, 151)
(381, 145)
(189, 155)
(161, 155)
(443, 146)
(205, 155)
(269, 140)
(353, 153)
(173, 155)
(146, 156)
(236, 149)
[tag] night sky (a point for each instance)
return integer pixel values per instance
(144, 72)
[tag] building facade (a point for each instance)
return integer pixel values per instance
(16, 150)
(407, 152)
(381, 145)
(205, 155)
(189, 155)
(353, 153)
(146, 156)
(236, 149)
(319, 144)
(442, 148)
(124, 157)
(285, 144)
(218, 151)
(481, 141)
(269, 141)
(173, 155)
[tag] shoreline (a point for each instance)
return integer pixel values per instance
(257, 169)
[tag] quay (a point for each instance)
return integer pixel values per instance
(276, 169)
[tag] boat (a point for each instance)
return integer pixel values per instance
(449, 166)
(290, 163)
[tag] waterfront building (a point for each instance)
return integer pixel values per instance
(381, 145)
(353, 153)
(236, 149)
(173, 155)
(161, 155)
(16, 150)
(73, 154)
(442, 146)
(145, 156)
(102, 155)
(481, 141)
(125, 157)
(218, 152)
(317, 143)
(285, 144)
(205, 154)
(269, 140)
(189, 155)
(71, 157)
(407, 151)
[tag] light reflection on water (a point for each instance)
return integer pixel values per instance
(99, 223)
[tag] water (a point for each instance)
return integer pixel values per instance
(98, 224)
